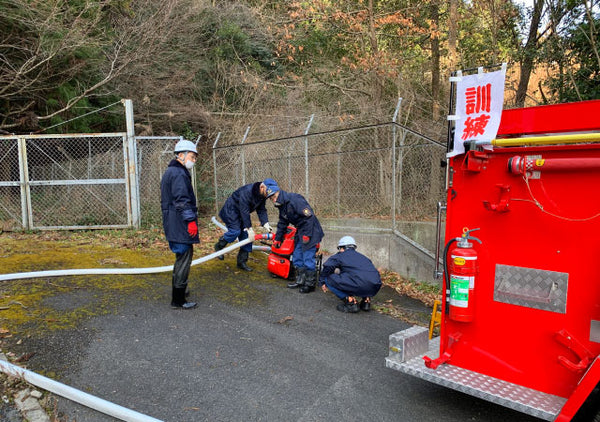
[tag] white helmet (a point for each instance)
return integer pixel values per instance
(185, 146)
(347, 242)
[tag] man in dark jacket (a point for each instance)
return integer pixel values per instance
(357, 277)
(236, 211)
(180, 217)
(295, 210)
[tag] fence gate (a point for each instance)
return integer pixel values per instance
(65, 181)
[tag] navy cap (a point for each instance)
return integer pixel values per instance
(272, 187)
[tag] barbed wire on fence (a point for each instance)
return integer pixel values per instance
(384, 171)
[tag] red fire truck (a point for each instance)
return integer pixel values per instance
(520, 318)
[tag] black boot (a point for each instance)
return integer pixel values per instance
(242, 258)
(310, 281)
(299, 281)
(349, 307)
(220, 245)
(178, 300)
(365, 304)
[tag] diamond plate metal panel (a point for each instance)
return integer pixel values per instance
(532, 288)
(525, 400)
(407, 344)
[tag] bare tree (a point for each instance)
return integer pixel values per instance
(45, 44)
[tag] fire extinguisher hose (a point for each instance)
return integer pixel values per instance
(446, 271)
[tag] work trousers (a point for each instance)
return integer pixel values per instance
(304, 258)
(235, 232)
(335, 291)
(181, 269)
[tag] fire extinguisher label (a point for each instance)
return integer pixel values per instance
(459, 260)
(459, 290)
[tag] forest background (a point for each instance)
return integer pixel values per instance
(198, 67)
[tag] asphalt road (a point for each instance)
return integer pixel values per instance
(277, 355)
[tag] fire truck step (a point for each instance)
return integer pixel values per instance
(525, 400)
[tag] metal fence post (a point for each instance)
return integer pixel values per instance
(26, 211)
(244, 156)
(339, 174)
(394, 120)
(215, 172)
(306, 190)
(132, 174)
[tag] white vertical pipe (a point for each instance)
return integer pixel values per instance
(75, 395)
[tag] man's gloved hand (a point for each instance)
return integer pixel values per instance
(250, 233)
(192, 228)
(305, 239)
(277, 244)
(268, 227)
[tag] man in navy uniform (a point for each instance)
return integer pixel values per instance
(235, 213)
(357, 276)
(295, 210)
(180, 217)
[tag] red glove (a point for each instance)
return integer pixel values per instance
(305, 239)
(277, 244)
(192, 228)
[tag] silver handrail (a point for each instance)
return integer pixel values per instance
(438, 232)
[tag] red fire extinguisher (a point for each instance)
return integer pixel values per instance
(462, 272)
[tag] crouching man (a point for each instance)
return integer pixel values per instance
(357, 276)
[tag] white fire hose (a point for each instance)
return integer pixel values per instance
(224, 228)
(71, 393)
(75, 395)
(105, 271)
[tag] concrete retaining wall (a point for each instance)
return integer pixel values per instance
(397, 251)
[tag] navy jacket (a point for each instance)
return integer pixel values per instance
(294, 210)
(178, 203)
(358, 276)
(245, 200)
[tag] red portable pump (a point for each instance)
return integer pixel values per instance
(463, 270)
(279, 264)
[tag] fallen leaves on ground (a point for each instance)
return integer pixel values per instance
(424, 292)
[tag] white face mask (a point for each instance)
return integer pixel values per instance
(187, 163)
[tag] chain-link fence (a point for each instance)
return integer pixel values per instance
(63, 181)
(85, 181)
(154, 153)
(385, 173)
(153, 156)
(10, 191)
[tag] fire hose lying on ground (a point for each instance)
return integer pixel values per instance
(121, 271)
(278, 265)
(71, 393)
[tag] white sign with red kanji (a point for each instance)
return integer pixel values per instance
(479, 102)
